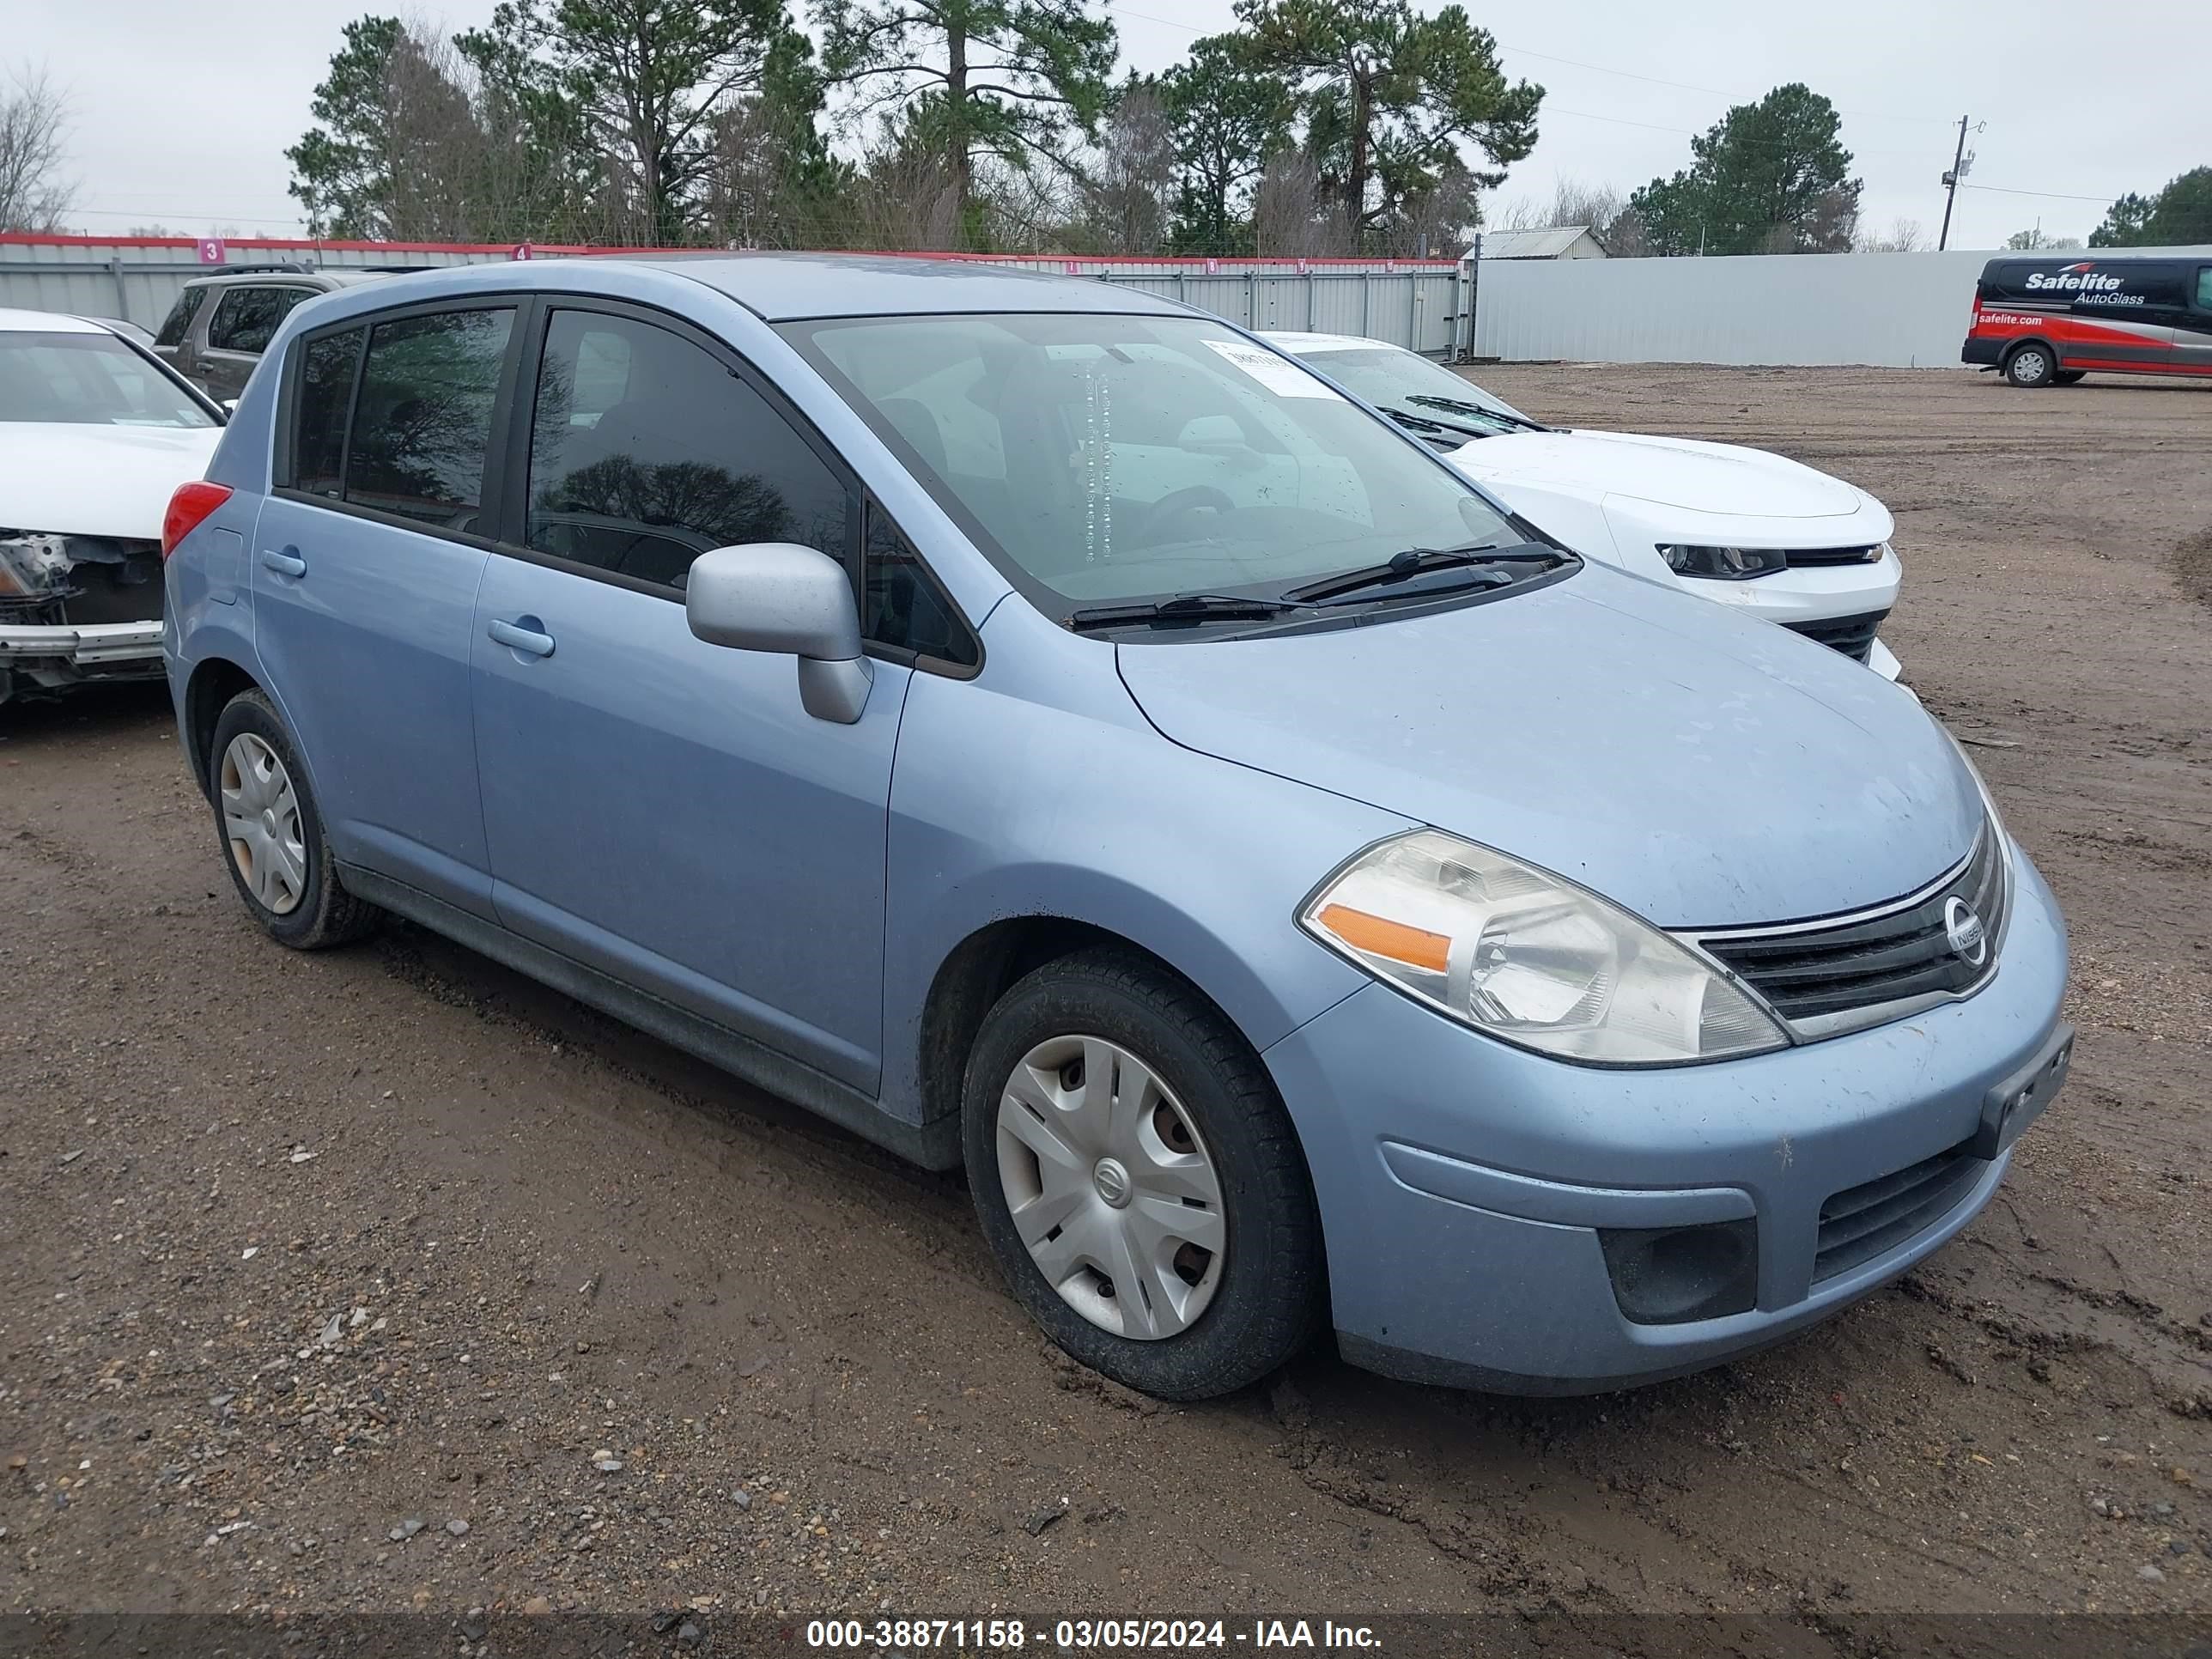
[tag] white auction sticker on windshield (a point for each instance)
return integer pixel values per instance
(1278, 374)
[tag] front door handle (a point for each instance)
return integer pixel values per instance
(286, 564)
(520, 638)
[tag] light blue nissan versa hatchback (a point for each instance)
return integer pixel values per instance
(1038, 726)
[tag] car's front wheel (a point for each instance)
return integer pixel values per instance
(1138, 1179)
(272, 836)
(2031, 366)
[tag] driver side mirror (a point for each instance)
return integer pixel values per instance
(792, 600)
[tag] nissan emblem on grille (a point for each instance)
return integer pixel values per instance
(1964, 929)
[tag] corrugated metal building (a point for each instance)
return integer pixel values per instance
(1548, 242)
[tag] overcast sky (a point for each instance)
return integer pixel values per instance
(183, 108)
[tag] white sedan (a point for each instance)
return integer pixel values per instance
(1747, 528)
(96, 435)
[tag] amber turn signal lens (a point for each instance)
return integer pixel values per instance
(1378, 936)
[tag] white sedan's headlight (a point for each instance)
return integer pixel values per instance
(1519, 953)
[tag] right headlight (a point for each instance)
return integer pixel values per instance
(1726, 564)
(1527, 957)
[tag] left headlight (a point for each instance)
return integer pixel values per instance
(1726, 564)
(1517, 953)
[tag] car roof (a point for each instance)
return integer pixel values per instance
(783, 287)
(48, 322)
(775, 287)
(278, 274)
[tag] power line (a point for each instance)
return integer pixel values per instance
(1716, 92)
(1692, 132)
(2045, 195)
(1599, 69)
(173, 213)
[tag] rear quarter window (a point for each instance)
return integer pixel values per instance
(321, 402)
(246, 318)
(179, 323)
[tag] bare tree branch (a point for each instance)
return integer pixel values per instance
(33, 127)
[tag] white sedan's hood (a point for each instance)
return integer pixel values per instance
(84, 480)
(1678, 472)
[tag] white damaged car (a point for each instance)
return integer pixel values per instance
(1747, 528)
(96, 435)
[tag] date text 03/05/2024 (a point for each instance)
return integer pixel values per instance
(1084, 1635)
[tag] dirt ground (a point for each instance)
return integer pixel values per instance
(384, 1280)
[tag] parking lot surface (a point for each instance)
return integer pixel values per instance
(384, 1278)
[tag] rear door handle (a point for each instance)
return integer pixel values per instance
(520, 638)
(286, 564)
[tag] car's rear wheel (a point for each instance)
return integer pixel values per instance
(272, 836)
(1139, 1181)
(2030, 366)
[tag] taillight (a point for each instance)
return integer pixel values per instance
(190, 504)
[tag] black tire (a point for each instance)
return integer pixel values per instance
(2069, 377)
(325, 913)
(2031, 366)
(1270, 1297)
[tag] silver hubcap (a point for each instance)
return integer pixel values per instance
(1110, 1187)
(261, 821)
(2032, 365)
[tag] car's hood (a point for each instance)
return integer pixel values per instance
(79, 480)
(1701, 768)
(1683, 472)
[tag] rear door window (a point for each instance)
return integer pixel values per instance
(646, 451)
(246, 318)
(179, 323)
(2204, 288)
(423, 420)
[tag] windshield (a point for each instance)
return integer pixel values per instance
(1133, 460)
(88, 379)
(1391, 379)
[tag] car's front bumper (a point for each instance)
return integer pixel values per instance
(1815, 594)
(1462, 1182)
(54, 656)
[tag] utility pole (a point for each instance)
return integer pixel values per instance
(1961, 164)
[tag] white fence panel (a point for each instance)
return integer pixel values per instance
(1899, 310)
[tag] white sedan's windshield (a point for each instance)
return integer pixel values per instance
(88, 379)
(1129, 459)
(1391, 378)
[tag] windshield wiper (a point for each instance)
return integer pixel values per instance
(1184, 607)
(1417, 561)
(1437, 432)
(1460, 406)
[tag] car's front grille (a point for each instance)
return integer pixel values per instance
(1871, 1219)
(1827, 976)
(1853, 635)
(1806, 558)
